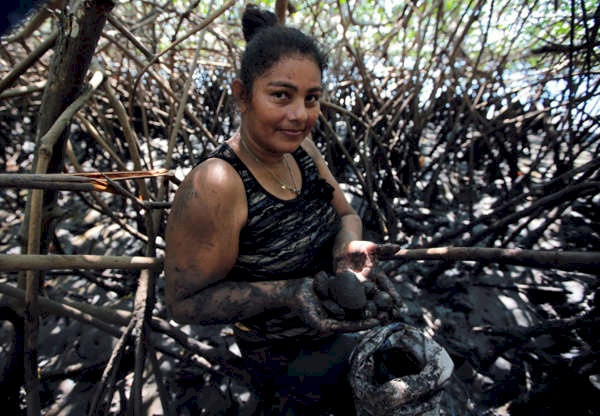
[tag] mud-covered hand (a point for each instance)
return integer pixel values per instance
(385, 284)
(305, 304)
(361, 256)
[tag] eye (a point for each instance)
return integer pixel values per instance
(313, 99)
(280, 95)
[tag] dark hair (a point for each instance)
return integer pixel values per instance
(268, 42)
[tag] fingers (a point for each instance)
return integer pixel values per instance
(348, 326)
(383, 280)
(293, 333)
(317, 317)
(386, 284)
(385, 303)
(385, 251)
(328, 326)
(362, 255)
(353, 261)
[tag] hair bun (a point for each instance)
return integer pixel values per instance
(255, 19)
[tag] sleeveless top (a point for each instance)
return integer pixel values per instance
(282, 239)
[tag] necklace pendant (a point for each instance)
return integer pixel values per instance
(284, 187)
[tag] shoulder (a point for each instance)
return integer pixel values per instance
(215, 174)
(313, 151)
(213, 183)
(311, 148)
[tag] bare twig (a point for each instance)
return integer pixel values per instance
(107, 381)
(17, 262)
(588, 262)
(24, 65)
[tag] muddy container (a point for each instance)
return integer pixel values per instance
(397, 370)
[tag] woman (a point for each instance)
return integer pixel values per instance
(254, 223)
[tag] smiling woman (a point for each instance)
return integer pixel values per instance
(254, 223)
(279, 115)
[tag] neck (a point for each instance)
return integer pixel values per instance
(261, 155)
(282, 161)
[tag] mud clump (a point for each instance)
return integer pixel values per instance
(344, 296)
(348, 292)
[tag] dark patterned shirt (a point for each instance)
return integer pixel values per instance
(283, 239)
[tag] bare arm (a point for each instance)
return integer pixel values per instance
(202, 236)
(228, 301)
(349, 250)
(351, 229)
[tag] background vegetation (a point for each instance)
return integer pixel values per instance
(469, 123)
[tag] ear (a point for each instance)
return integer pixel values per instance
(240, 94)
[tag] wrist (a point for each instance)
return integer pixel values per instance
(341, 245)
(285, 293)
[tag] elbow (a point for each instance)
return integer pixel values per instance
(188, 300)
(177, 301)
(179, 314)
(182, 309)
(186, 310)
(174, 309)
(178, 309)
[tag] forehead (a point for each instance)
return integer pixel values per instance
(295, 69)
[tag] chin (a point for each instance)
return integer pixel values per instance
(292, 140)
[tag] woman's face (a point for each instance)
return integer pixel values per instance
(284, 104)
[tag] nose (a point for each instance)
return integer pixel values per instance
(297, 111)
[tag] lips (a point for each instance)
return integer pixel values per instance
(293, 132)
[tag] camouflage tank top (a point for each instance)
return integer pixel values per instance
(283, 239)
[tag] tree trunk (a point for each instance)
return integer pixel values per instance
(81, 26)
(82, 23)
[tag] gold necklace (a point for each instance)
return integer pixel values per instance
(284, 186)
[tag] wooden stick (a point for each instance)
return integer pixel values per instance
(18, 262)
(51, 181)
(24, 65)
(280, 9)
(23, 90)
(109, 375)
(588, 261)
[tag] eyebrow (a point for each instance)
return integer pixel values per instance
(292, 86)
